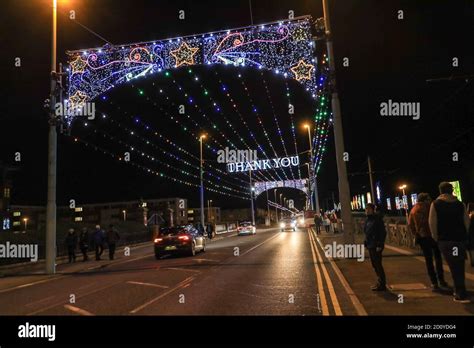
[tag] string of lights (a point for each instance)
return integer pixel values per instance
(293, 132)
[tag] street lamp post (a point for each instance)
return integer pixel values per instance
(281, 211)
(124, 212)
(201, 188)
(252, 189)
(312, 174)
(25, 220)
(343, 182)
(405, 206)
(276, 209)
(209, 214)
(50, 261)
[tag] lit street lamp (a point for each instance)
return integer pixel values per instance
(201, 188)
(124, 212)
(25, 220)
(405, 205)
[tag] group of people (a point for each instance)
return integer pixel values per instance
(326, 220)
(98, 240)
(442, 228)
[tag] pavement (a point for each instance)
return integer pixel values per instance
(270, 273)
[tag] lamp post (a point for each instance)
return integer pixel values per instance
(50, 257)
(276, 209)
(405, 206)
(209, 215)
(252, 189)
(25, 220)
(343, 182)
(312, 175)
(201, 171)
(124, 212)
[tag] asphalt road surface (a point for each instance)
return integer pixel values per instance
(270, 273)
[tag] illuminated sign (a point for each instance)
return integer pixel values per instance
(414, 198)
(389, 204)
(369, 198)
(262, 186)
(397, 203)
(456, 189)
(273, 163)
(378, 191)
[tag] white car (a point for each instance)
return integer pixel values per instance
(246, 228)
(288, 224)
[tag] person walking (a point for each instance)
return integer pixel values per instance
(112, 237)
(449, 225)
(375, 233)
(470, 245)
(326, 223)
(71, 243)
(98, 238)
(84, 243)
(317, 223)
(418, 224)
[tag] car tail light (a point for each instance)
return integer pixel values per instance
(183, 237)
(157, 240)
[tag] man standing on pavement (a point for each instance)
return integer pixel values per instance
(71, 243)
(112, 237)
(317, 223)
(374, 230)
(449, 224)
(418, 224)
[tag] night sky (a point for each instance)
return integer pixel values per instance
(389, 59)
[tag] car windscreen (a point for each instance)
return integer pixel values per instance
(172, 230)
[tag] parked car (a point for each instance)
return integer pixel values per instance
(180, 239)
(246, 227)
(288, 224)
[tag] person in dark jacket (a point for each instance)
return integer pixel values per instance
(112, 237)
(374, 230)
(449, 224)
(84, 243)
(210, 231)
(418, 224)
(317, 223)
(98, 237)
(71, 244)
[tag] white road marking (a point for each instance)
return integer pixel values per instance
(256, 246)
(78, 310)
(148, 284)
(179, 286)
(181, 269)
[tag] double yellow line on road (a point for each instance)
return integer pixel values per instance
(319, 263)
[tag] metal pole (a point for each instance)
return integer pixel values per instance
(276, 209)
(201, 189)
(50, 261)
(372, 190)
(268, 207)
(310, 172)
(251, 198)
(343, 182)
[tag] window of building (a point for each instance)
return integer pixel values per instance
(17, 213)
(78, 209)
(190, 211)
(78, 218)
(6, 224)
(181, 213)
(16, 223)
(6, 192)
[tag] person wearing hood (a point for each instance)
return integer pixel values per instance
(449, 223)
(71, 243)
(99, 238)
(418, 224)
(112, 238)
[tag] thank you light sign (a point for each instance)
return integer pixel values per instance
(274, 163)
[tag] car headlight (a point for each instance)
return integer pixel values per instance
(293, 224)
(301, 220)
(282, 224)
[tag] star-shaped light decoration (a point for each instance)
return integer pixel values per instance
(77, 100)
(78, 65)
(184, 55)
(302, 70)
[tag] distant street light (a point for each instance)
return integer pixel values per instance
(25, 220)
(124, 212)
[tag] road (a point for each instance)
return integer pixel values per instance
(270, 273)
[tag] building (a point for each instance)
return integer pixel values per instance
(172, 211)
(212, 214)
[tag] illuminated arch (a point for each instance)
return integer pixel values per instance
(284, 47)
